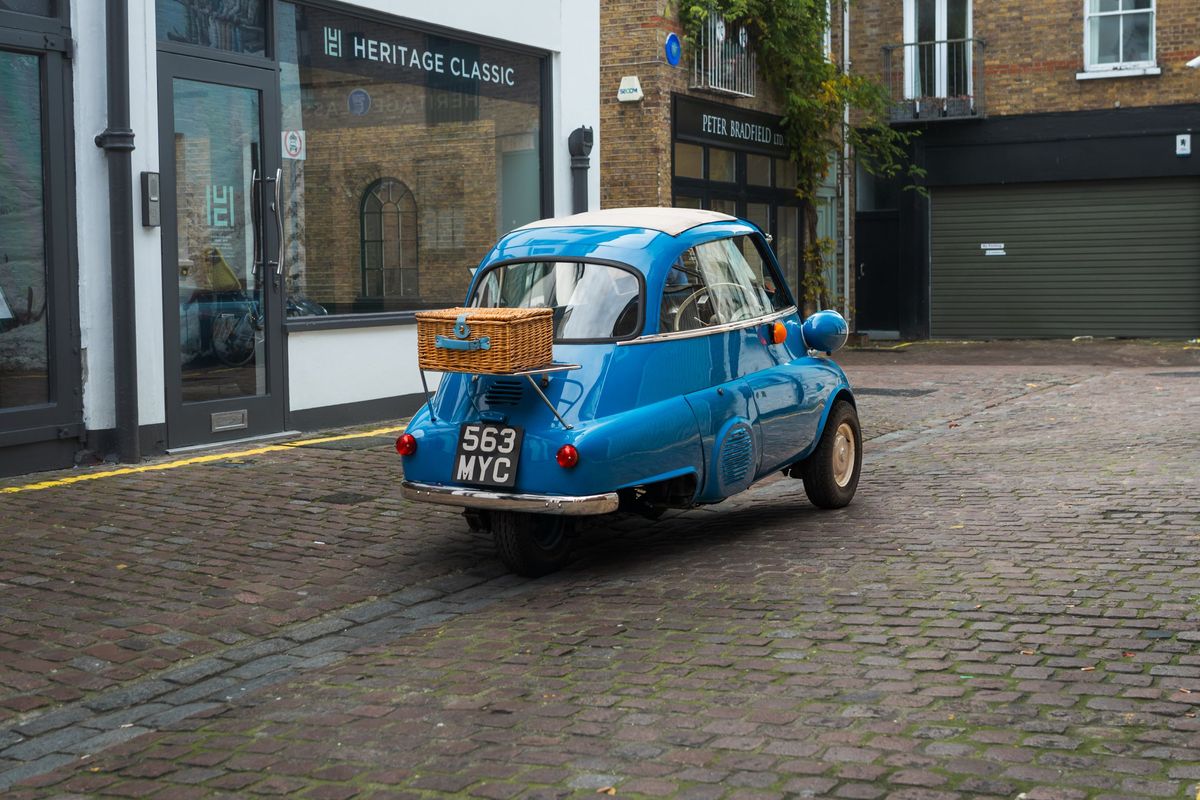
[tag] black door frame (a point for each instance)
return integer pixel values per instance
(191, 424)
(47, 435)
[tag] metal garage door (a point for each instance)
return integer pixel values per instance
(1103, 259)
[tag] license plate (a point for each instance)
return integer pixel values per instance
(487, 454)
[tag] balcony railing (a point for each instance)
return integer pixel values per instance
(724, 62)
(937, 80)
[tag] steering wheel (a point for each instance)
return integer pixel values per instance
(702, 291)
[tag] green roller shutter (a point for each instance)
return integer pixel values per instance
(1118, 258)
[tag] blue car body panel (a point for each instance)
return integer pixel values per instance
(727, 407)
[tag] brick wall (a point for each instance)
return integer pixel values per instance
(1034, 48)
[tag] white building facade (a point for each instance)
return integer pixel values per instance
(304, 176)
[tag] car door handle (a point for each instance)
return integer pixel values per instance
(861, 266)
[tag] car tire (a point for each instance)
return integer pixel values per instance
(831, 472)
(531, 544)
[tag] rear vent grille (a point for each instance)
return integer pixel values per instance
(504, 392)
(736, 455)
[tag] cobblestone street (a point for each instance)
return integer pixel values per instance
(1009, 608)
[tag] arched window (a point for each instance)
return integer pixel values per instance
(389, 240)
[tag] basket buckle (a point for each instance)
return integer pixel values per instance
(462, 331)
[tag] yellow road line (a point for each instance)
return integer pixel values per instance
(187, 462)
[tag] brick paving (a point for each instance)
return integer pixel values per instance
(1010, 606)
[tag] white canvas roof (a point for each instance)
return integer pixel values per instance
(671, 221)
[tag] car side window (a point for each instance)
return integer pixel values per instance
(718, 282)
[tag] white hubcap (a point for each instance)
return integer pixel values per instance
(843, 455)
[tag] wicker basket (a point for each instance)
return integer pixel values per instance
(491, 340)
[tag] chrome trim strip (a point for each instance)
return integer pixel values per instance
(564, 505)
(728, 326)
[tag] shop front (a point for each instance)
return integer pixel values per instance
(279, 186)
(326, 172)
(735, 160)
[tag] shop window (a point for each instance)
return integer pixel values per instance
(722, 165)
(689, 160)
(786, 176)
(758, 170)
(454, 127)
(1119, 34)
(389, 240)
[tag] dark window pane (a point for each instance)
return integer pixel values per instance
(1136, 41)
(24, 359)
(687, 202)
(1107, 48)
(239, 26)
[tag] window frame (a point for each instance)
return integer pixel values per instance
(1146, 67)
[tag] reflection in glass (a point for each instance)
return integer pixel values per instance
(24, 323)
(682, 201)
(389, 220)
(689, 160)
(221, 310)
(44, 8)
(451, 131)
(721, 165)
(238, 26)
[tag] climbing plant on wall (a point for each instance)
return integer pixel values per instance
(789, 39)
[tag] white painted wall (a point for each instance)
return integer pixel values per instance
(324, 367)
(329, 368)
(92, 214)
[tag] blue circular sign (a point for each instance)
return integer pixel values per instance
(674, 49)
(359, 102)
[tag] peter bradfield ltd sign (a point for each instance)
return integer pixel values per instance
(358, 47)
(729, 126)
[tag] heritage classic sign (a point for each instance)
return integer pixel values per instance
(392, 53)
(729, 126)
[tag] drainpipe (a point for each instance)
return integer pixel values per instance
(846, 167)
(579, 145)
(117, 142)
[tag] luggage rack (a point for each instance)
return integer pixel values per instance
(527, 374)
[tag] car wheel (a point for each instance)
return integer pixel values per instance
(831, 473)
(531, 544)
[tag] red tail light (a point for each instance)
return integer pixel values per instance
(406, 445)
(567, 456)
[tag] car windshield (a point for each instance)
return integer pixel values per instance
(590, 301)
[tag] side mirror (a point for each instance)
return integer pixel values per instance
(826, 331)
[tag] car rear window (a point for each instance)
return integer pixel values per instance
(591, 302)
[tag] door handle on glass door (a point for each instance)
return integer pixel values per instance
(255, 219)
(278, 209)
(861, 266)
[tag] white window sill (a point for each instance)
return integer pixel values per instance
(1131, 72)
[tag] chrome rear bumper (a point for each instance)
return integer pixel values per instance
(586, 505)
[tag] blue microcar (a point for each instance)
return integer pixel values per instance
(681, 374)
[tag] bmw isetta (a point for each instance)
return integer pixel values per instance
(674, 371)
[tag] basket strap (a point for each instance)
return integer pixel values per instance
(446, 343)
(460, 327)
